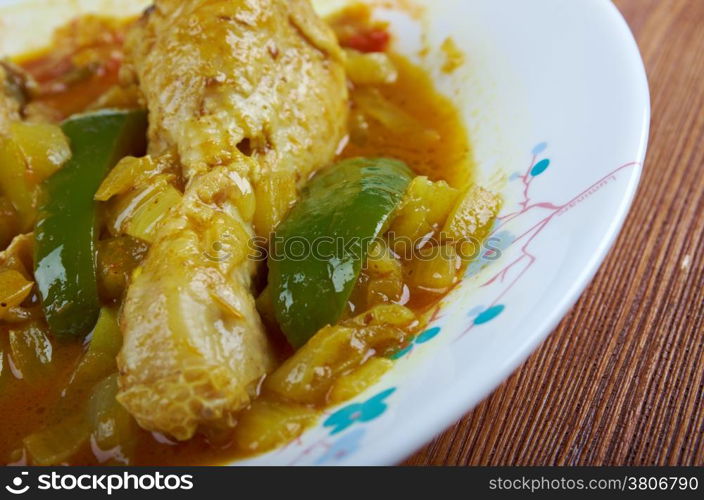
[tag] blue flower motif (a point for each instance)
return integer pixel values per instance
(421, 338)
(489, 314)
(495, 246)
(343, 447)
(540, 167)
(475, 311)
(539, 148)
(402, 352)
(358, 412)
(502, 240)
(427, 335)
(475, 268)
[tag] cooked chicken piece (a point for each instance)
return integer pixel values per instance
(251, 96)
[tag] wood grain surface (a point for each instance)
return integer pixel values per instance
(621, 381)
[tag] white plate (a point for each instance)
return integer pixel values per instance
(556, 100)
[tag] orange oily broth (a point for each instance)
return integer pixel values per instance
(81, 65)
(26, 405)
(447, 158)
(445, 155)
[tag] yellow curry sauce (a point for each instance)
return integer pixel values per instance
(437, 147)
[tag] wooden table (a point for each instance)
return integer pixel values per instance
(621, 381)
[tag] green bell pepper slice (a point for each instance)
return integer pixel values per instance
(317, 253)
(66, 231)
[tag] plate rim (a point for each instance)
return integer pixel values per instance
(452, 405)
